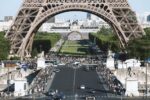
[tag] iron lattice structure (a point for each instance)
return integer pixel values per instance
(33, 13)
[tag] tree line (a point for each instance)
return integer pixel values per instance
(42, 42)
(106, 39)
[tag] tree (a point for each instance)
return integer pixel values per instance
(4, 47)
(106, 39)
(34, 52)
(140, 48)
(44, 42)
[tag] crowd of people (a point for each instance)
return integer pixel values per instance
(40, 82)
(71, 59)
(112, 83)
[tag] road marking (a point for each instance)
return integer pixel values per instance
(74, 80)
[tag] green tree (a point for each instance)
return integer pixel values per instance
(106, 39)
(34, 52)
(44, 41)
(140, 48)
(4, 47)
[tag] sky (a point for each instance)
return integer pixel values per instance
(11, 7)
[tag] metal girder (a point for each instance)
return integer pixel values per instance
(34, 12)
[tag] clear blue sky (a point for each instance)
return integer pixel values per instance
(10, 8)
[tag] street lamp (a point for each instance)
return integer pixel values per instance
(126, 76)
(8, 78)
(146, 80)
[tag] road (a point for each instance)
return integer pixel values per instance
(69, 80)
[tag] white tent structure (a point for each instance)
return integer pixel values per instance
(133, 63)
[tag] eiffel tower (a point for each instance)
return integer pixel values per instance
(33, 13)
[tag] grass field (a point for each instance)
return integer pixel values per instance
(75, 47)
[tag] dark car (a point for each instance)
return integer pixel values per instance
(92, 91)
(50, 93)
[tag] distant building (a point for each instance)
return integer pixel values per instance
(144, 19)
(148, 18)
(46, 27)
(5, 25)
(8, 18)
(89, 16)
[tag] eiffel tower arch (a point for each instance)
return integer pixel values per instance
(33, 13)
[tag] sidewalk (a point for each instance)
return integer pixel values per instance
(106, 87)
(49, 83)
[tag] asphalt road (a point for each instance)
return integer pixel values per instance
(69, 80)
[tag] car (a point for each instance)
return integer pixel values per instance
(82, 87)
(59, 96)
(61, 64)
(50, 93)
(56, 70)
(87, 68)
(92, 91)
(55, 65)
(90, 98)
(76, 63)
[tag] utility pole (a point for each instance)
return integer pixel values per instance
(8, 80)
(146, 80)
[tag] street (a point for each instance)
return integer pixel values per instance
(69, 80)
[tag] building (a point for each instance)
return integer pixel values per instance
(89, 16)
(5, 25)
(8, 18)
(148, 18)
(61, 25)
(144, 19)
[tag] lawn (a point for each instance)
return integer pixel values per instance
(75, 47)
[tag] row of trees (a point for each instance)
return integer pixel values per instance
(106, 39)
(140, 48)
(4, 47)
(43, 42)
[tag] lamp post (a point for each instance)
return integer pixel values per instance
(8, 78)
(126, 76)
(146, 80)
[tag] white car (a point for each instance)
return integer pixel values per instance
(82, 87)
(76, 63)
(61, 64)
